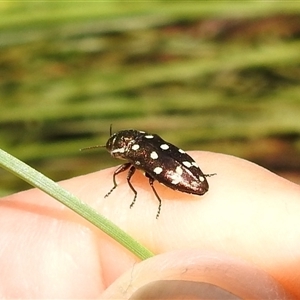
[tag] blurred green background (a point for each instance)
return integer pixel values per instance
(213, 75)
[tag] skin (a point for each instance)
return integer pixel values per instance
(247, 225)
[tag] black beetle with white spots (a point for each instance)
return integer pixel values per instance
(158, 159)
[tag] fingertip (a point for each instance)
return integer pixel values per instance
(195, 274)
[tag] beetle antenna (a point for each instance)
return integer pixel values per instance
(92, 147)
(97, 146)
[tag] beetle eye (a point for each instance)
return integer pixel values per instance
(110, 142)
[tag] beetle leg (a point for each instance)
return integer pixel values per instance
(151, 180)
(129, 175)
(121, 169)
(209, 175)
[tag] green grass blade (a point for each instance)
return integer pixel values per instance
(45, 184)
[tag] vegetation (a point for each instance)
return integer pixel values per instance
(218, 76)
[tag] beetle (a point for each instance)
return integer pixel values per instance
(158, 159)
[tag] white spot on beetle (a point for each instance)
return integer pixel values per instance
(179, 170)
(176, 180)
(119, 150)
(195, 184)
(149, 136)
(164, 146)
(137, 162)
(187, 164)
(181, 151)
(195, 165)
(174, 177)
(154, 155)
(157, 170)
(142, 131)
(135, 147)
(201, 178)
